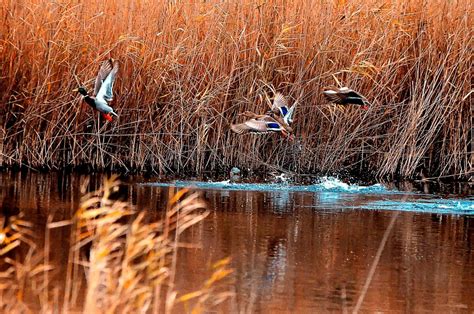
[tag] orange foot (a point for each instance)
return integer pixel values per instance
(107, 117)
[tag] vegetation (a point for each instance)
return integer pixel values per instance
(188, 68)
(117, 261)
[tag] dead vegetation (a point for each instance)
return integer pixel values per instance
(188, 68)
(119, 261)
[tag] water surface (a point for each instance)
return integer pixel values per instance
(302, 249)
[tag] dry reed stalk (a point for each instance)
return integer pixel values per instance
(189, 67)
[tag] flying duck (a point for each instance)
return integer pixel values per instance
(262, 124)
(277, 120)
(345, 96)
(103, 89)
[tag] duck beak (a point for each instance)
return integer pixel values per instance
(75, 90)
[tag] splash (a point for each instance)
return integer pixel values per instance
(332, 194)
(334, 184)
(325, 184)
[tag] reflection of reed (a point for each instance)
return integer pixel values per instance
(315, 259)
(373, 267)
(328, 254)
(118, 261)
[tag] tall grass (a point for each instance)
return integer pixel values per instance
(188, 68)
(118, 260)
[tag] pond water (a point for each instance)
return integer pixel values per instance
(323, 247)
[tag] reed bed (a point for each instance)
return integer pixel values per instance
(188, 68)
(119, 261)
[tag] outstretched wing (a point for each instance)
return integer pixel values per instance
(344, 96)
(353, 97)
(104, 70)
(334, 96)
(105, 89)
(288, 118)
(250, 126)
(280, 105)
(256, 126)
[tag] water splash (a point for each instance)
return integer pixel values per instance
(332, 194)
(326, 184)
(334, 184)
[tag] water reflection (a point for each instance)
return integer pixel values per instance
(295, 251)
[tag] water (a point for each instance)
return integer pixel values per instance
(302, 249)
(332, 193)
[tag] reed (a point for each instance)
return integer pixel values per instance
(188, 68)
(119, 261)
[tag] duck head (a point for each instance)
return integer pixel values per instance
(81, 90)
(234, 174)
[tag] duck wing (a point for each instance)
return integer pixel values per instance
(280, 105)
(259, 125)
(105, 79)
(288, 118)
(104, 70)
(344, 96)
(334, 96)
(353, 97)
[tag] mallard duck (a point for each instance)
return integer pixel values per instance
(104, 84)
(345, 96)
(262, 124)
(277, 119)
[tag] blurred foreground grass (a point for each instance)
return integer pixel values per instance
(119, 260)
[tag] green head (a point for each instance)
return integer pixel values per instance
(82, 90)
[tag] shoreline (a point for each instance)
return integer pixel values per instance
(435, 184)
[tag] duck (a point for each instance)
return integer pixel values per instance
(262, 124)
(276, 120)
(103, 94)
(345, 96)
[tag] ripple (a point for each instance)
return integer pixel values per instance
(439, 206)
